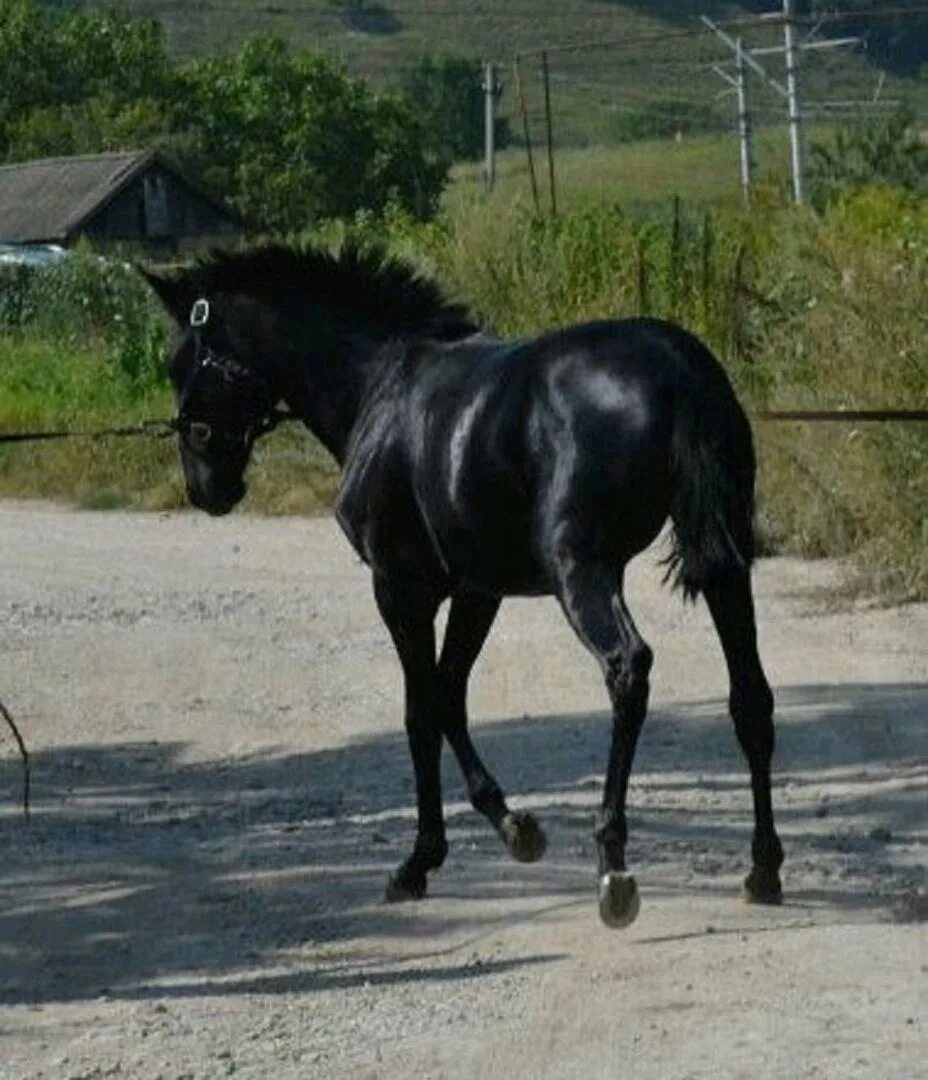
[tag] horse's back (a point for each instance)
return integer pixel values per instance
(513, 443)
(492, 454)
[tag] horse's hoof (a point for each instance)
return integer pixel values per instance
(618, 899)
(405, 886)
(762, 887)
(523, 836)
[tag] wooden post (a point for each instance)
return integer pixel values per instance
(528, 138)
(548, 132)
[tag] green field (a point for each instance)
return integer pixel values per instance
(702, 169)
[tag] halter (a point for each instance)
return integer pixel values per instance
(202, 432)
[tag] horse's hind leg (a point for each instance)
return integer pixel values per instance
(591, 596)
(469, 622)
(409, 612)
(751, 705)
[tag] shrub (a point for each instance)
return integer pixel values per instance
(86, 300)
(293, 138)
(884, 150)
(447, 91)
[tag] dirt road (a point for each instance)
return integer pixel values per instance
(221, 786)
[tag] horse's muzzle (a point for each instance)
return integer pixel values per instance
(216, 506)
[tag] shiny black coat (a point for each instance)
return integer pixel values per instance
(479, 463)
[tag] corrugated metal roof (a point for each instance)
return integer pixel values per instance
(46, 200)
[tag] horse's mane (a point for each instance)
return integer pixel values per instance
(361, 278)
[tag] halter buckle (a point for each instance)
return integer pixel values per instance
(199, 313)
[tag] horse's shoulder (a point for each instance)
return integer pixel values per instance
(369, 475)
(375, 500)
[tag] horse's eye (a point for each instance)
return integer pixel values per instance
(199, 435)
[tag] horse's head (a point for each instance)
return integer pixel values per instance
(224, 401)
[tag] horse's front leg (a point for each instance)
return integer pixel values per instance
(469, 622)
(409, 612)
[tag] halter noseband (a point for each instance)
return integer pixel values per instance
(202, 432)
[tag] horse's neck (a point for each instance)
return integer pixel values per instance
(330, 385)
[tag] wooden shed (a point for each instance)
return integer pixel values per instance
(120, 199)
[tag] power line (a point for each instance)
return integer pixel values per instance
(206, 8)
(752, 22)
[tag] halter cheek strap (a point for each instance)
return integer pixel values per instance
(231, 370)
(199, 317)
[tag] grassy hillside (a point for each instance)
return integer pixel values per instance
(596, 91)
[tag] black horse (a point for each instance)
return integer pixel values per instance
(474, 469)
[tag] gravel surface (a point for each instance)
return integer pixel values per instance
(221, 786)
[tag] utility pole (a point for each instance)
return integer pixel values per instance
(739, 84)
(792, 49)
(796, 143)
(744, 126)
(491, 93)
(549, 137)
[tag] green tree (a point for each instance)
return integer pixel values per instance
(895, 38)
(448, 93)
(64, 77)
(109, 53)
(93, 126)
(29, 58)
(291, 138)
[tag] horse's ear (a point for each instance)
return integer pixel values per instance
(175, 291)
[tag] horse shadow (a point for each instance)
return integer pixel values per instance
(145, 874)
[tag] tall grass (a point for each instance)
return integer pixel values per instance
(48, 384)
(849, 329)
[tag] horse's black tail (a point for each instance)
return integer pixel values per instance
(713, 466)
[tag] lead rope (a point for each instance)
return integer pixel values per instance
(153, 429)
